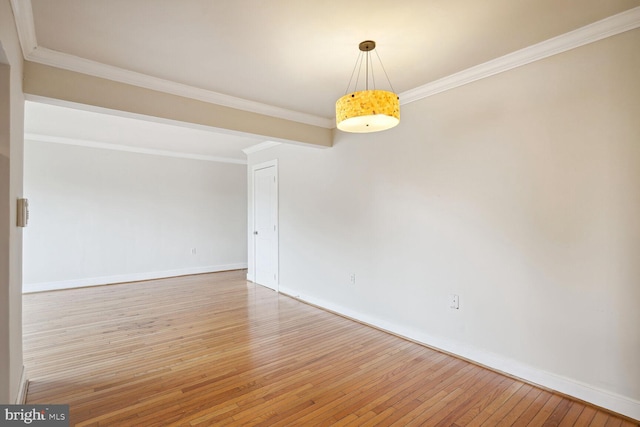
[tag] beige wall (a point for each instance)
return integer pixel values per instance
(520, 193)
(11, 161)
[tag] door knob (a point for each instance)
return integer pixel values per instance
(255, 232)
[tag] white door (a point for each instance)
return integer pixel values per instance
(265, 223)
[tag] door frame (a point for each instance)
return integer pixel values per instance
(251, 276)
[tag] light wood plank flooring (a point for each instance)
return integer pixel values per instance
(214, 349)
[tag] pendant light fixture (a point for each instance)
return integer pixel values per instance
(369, 110)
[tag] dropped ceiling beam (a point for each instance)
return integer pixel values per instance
(56, 83)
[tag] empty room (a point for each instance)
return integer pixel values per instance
(303, 213)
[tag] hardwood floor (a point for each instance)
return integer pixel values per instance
(214, 349)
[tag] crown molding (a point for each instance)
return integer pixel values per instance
(23, 16)
(599, 30)
(260, 147)
(130, 115)
(139, 150)
(85, 66)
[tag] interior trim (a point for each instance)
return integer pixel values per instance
(261, 146)
(599, 30)
(602, 398)
(130, 149)
(23, 15)
(127, 278)
(21, 397)
(85, 66)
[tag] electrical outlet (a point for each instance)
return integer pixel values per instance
(454, 302)
(193, 251)
(352, 278)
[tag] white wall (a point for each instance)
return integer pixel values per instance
(519, 192)
(104, 216)
(11, 161)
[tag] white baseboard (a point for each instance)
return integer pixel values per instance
(21, 397)
(585, 392)
(123, 278)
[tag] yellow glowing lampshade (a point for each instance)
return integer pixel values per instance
(367, 111)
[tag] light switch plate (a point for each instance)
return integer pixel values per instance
(22, 217)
